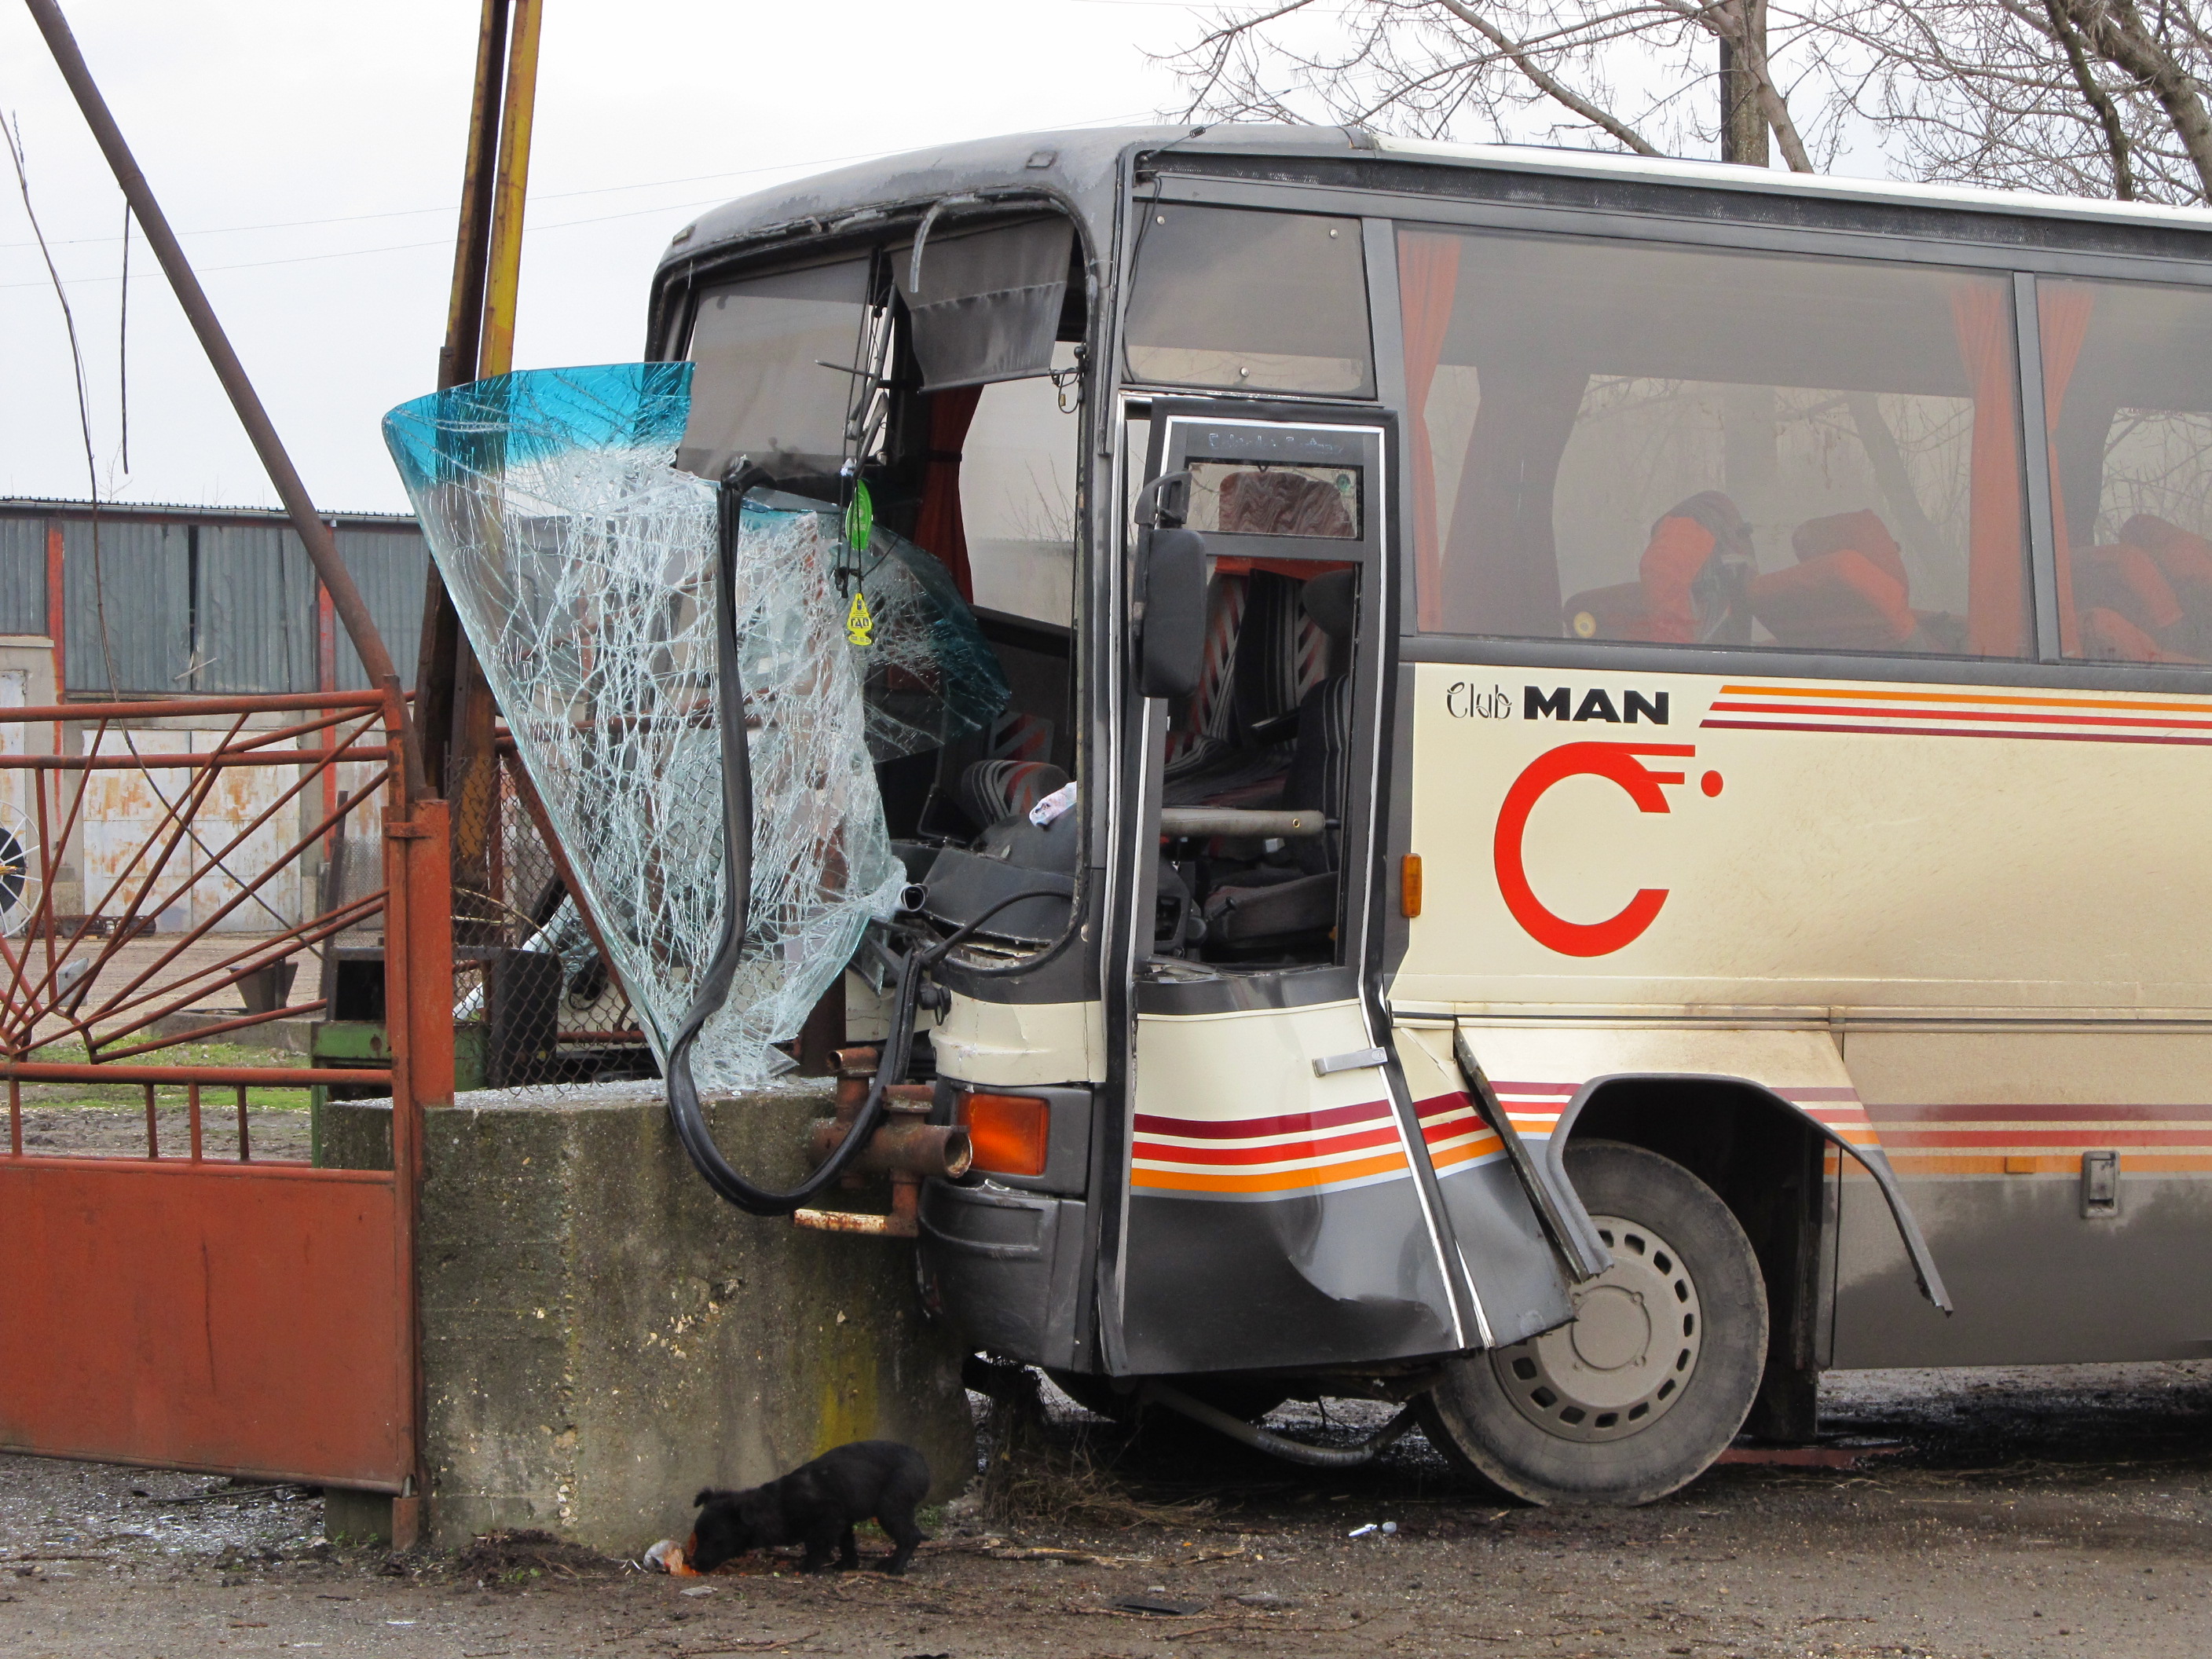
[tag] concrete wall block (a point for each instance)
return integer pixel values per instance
(603, 1336)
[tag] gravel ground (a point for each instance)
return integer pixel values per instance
(2032, 1512)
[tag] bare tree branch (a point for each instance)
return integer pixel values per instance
(2083, 97)
(1728, 22)
(2108, 113)
(2115, 29)
(1548, 83)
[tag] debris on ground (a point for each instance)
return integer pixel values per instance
(509, 1560)
(2082, 1495)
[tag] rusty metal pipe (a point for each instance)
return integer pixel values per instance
(900, 1147)
(257, 703)
(851, 1091)
(160, 761)
(866, 1223)
(253, 1077)
(903, 1220)
(201, 1034)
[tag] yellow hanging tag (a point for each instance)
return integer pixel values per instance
(860, 626)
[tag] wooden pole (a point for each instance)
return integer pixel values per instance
(441, 644)
(471, 768)
(457, 363)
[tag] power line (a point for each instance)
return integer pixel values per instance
(410, 213)
(562, 195)
(445, 242)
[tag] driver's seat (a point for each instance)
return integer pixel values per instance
(1302, 900)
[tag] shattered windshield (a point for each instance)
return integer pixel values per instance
(582, 565)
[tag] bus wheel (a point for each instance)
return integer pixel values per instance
(1655, 1375)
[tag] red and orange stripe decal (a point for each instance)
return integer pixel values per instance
(1267, 1156)
(1931, 714)
(1454, 1133)
(1837, 1111)
(1535, 1108)
(2011, 1139)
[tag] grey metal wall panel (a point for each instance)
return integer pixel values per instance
(130, 606)
(23, 576)
(390, 567)
(257, 610)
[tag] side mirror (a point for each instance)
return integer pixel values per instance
(1172, 653)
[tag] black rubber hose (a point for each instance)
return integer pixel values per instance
(683, 1112)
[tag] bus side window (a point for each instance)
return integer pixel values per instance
(2125, 369)
(760, 390)
(1246, 302)
(1638, 443)
(1018, 497)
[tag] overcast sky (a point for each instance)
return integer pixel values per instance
(253, 116)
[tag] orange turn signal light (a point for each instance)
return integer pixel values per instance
(1409, 884)
(1010, 1134)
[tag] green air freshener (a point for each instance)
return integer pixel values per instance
(860, 626)
(860, 519)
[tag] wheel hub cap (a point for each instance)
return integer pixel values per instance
(1628, 1354)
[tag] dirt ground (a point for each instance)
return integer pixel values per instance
(2046, 1511)
(81, 1130)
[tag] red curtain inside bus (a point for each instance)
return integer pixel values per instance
(1428, 274)
(938, 526)
(2062, 313)
(1997, 585)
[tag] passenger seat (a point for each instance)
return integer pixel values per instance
(1847, 592)
(1689, 583)
(2185, 560)
(992, 791)
(2122, 577)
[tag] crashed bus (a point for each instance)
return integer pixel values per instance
(1584, 811)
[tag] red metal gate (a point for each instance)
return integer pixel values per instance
(193, 1303)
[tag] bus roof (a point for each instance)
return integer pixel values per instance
(1081, 165)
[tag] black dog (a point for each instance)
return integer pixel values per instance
(816, 1505)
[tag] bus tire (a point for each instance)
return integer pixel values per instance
(1622, 1405)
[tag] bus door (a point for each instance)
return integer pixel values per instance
(1283, 1204)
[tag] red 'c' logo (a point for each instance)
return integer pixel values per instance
(1615, 761)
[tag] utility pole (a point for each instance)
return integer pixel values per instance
(454, 703)
(1743, 122)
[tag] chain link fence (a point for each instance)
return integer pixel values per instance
(534, 1004)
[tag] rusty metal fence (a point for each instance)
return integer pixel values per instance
(188, 1294)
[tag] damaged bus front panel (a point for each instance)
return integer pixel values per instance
(1196, 1152)
(1369, 991)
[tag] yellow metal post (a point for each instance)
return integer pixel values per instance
(503, 278)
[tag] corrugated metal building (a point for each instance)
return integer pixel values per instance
(165, 601)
